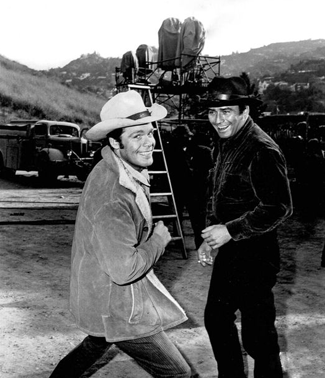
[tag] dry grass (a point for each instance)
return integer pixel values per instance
(27, 95)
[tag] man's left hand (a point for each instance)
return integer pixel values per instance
(216, 236)
(204, 255)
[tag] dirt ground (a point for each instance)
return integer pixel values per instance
(37, 329)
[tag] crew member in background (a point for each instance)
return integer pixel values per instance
(189, 159)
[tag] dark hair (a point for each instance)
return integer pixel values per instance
(241, 107)
(115, 134)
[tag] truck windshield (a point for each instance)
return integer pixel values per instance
(62, 129)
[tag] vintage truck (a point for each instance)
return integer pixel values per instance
(51, 148)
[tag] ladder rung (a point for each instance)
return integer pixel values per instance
(174, 238)
(164, 216)
(160, 194)
(157, 150)
(156, 172)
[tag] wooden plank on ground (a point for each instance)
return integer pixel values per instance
(40, 198)
(35, 216)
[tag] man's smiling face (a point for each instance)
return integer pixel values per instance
(137, 144)
(227, 120)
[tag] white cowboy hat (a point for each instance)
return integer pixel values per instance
(123, 110)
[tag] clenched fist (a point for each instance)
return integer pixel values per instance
(162, 230)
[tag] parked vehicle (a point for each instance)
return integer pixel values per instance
(284, 126)
(52, 148)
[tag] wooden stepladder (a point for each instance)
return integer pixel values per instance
(163, 202)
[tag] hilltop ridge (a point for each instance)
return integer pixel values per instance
(94, 76)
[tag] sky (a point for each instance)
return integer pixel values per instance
(43, 34)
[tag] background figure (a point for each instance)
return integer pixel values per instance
(295, 155)
(188, 158)
(323, 257)
(312, 180)
(201, 162)
(179, 167)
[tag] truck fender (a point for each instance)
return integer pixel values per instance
(53, 154)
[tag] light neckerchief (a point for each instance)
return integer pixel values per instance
(140, 178)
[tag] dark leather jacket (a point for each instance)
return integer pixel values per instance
(250, 188)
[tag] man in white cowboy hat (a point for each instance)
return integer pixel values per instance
(250, 197)
(115, 296)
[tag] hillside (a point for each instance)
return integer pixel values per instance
(92, 73)
(273, 59)
(77, 91)
(26, 93)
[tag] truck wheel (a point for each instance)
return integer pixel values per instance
(82, 176)
(4, 171)
(46, 172)
(2, 167)
(82, 173)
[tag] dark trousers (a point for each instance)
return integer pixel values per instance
(156, 354)
(232, 288)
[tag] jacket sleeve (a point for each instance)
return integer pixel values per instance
(272, 190)
(117, 246)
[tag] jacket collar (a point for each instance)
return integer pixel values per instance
(237, 138)
(132, 180)
(142, 177)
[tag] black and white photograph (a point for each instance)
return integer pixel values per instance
(162, 189)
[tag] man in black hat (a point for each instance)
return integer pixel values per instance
(250, 198)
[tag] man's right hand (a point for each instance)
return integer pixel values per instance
(163, 232)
